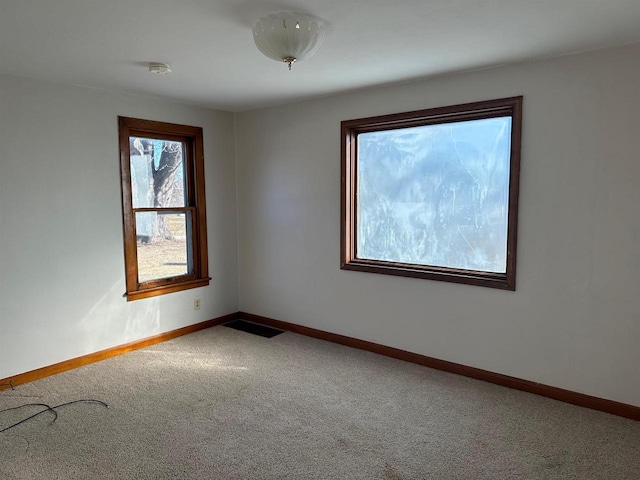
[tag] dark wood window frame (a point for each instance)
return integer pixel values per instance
(194, 170)
(350, 129)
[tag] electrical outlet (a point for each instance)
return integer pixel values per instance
(196, 304)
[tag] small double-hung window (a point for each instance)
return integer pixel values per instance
(163, 207)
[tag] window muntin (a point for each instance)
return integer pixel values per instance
(433, 194)
(162, 169)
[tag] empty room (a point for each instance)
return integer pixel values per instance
(319, 240)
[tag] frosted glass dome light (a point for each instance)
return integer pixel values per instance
(288, 36)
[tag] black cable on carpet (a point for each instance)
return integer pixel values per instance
(47, 408)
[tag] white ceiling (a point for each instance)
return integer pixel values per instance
(106, 44)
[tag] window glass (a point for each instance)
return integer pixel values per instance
(157, 173)
(162, 245)
(435, 194)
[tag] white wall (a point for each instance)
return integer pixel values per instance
(61, 251)
(574, 321)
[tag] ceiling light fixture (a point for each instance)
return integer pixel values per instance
(288, 36)
(159, 68)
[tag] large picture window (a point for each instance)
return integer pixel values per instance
(163, 205)
(434, 193)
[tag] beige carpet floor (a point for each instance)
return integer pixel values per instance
(225, 404)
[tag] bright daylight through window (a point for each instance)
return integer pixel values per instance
(163, 205)
(434, 193)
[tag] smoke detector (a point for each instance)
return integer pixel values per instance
(159, 68)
